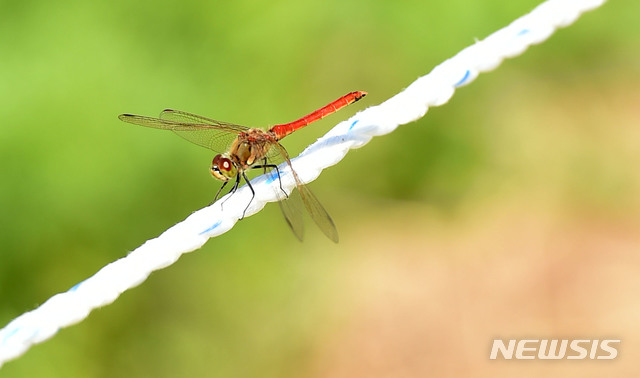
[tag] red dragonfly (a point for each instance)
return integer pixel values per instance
(250, 148)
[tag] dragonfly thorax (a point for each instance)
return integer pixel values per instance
(251, 147)
(223, 168)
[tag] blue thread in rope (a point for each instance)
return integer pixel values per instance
(273, 177)
(10, 334)
(213, 227)
(464, 78)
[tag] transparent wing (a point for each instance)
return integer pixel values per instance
(293, 216)
(289, 204)
(311, 203)
(317, 212)
(190, 118)
(291, 209)
(202, 131)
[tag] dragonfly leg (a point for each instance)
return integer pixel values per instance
(218, 193)
(233, 189)
(265, 166)
(253, 193)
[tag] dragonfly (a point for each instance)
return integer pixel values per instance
(240, 149)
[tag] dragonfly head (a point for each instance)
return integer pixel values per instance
(223, 168)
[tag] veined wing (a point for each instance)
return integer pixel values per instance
(317, 212)
(190, 118)
(202, 131)
(289, 205)
(314, 207)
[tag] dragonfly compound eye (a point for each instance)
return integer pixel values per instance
(222, 168)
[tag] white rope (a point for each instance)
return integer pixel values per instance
(434, 89)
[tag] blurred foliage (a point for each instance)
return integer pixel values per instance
(80, 188)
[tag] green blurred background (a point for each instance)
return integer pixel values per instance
(512, 211)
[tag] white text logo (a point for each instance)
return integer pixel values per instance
(546, 349)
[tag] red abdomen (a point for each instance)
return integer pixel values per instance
(282, 131)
